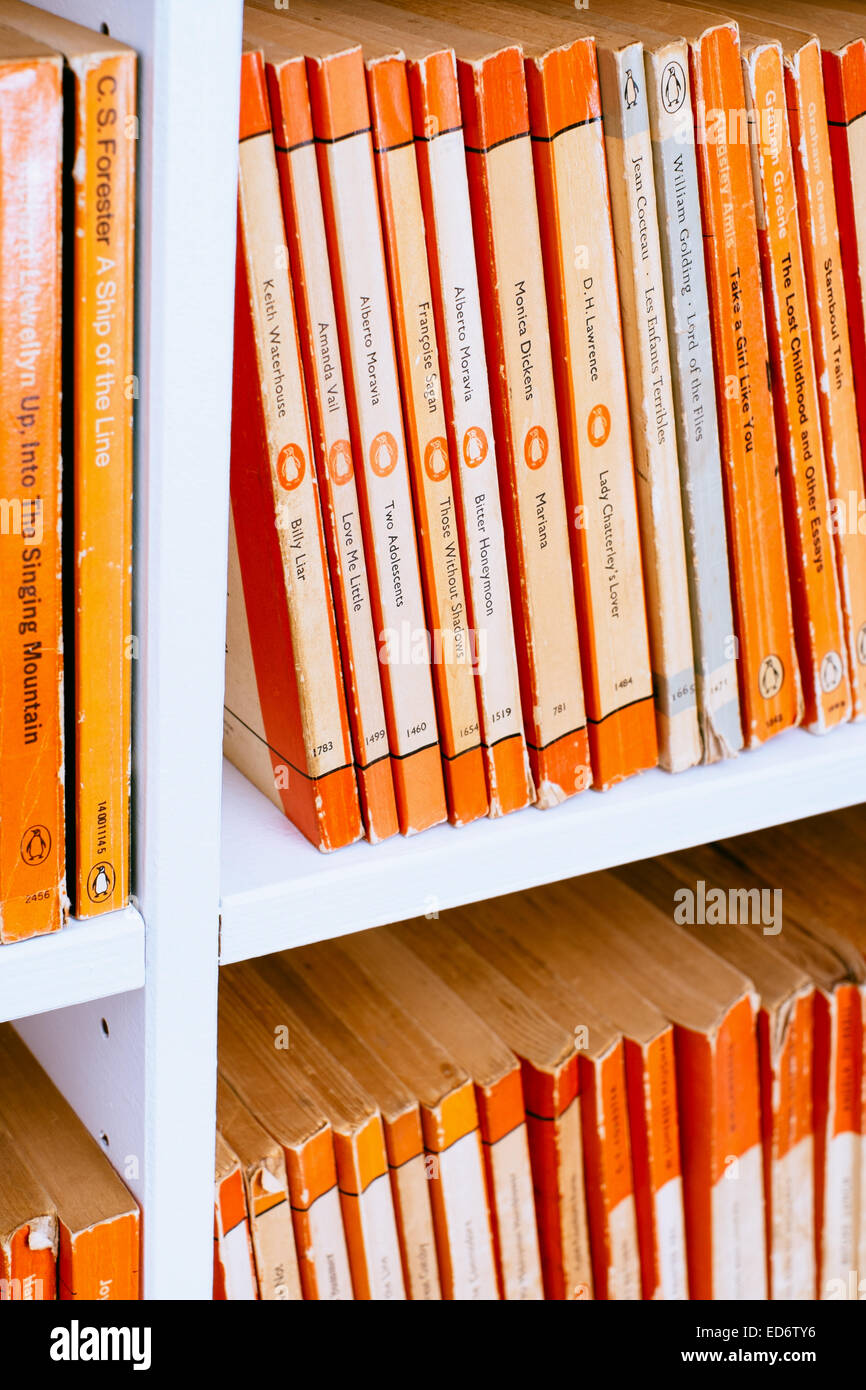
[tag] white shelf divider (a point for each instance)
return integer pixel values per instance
(87, 960)
(278, 892)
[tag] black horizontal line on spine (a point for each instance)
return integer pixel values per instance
(254, 134)
(363, 767)
(400, 145)
(641, 700)
(491, 1143)
(449, 130)
(540, 747)
(452, 757)
(320, 777)
(506, 139)
(494, 743)
(335, 139)
(575, 125)
(845, 124)
(290, 149)
(422, 749)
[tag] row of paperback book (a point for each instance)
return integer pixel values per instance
(643, 1084)
(546, 460)
(68, 136)
(69, 1228)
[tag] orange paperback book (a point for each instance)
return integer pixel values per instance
(770, 693)
(285, 724)
(99, 271)
(32, 878)
(341, 127)
(818, 624)
(28, 1229)
(234, 1272)
(453, 646)
(326, 397)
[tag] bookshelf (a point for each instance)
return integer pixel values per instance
(122, 1012)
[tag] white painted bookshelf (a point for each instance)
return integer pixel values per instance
(122, 1012)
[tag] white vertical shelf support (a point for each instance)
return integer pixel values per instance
(189, 90)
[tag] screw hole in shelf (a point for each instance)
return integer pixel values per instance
(103, 1023)
(104, 29)
(104, 1137)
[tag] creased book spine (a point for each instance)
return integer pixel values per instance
(644, 321)
(693, 381)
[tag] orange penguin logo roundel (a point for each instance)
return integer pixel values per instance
(291, 467)
(598, 425)
(436, 460)
(383, 454)
(340, 461)
(535, 447)
(474, 446)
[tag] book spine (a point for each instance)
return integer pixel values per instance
(811, 562)
(693, 382)
(841, 1198)
(234, 1267)
(609, 1180)
(326, 396)
(589, 368)
(511, 277)
(845, 87)
(770, 698)
(368, 1213)
(100, 409)
(286, 504)
(644, 323)
(444, 188)
(341, 122)
(509, 1184)
(272, 1236)
(410, 1189)
(101, 1262)
(553, 1124)
(32, 880)
(739, 1262)
(320, 1240)
(789, 1153)
(655, 1149)
(458, 1195)
(28, 1262)
(453, 654)
(819, 229)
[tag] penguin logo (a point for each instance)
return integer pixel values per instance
(598, 425)
(291, 467)
(631, 89)
(770, 677)
(340, 462)
(673, 88)
(383, 454)
(474, 446)
(35, 845)
(436, 464)
(100, 882)
(831, 672)
(535, 447)
(861, 645)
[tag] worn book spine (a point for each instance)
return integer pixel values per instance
(510, 1188)
(368, 1212)
(335, 462)
(818, 626)
(589, 369)
(651, 404)
(410, 1190)
(285, 714)
(98, 430)
(838, 1066)
(609, 1179)
(552, 1102)
(431, 466)
(320, 1240)
(655, 1150)
(770, 695)
(28, 1234)
(341, 123)
(693, 380)
(845, 87)
(32, 876)
(437, 123)
(459, 1197)
(234, 1273)
(511, 278)
(786, 1048)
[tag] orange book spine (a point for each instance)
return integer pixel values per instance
(431, 467)
(101, 1262)
(508, 1170)
(459, 1197)
(786, 1118)
(845, 88)
(655, 1150)
(556, 1154)
(819, 229)
(609, 1179)
(770, 697)
(234, 1271)
(839, 1109)
(326, 397)
(285, 724)
(368, 1213)
(323, 1260)
(99, 426)
(32, 880)
(511, 278)
(565, 118)
(341, 123)
(410, 1189)
(444, 189)
(818, 627)
(27, 1267)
